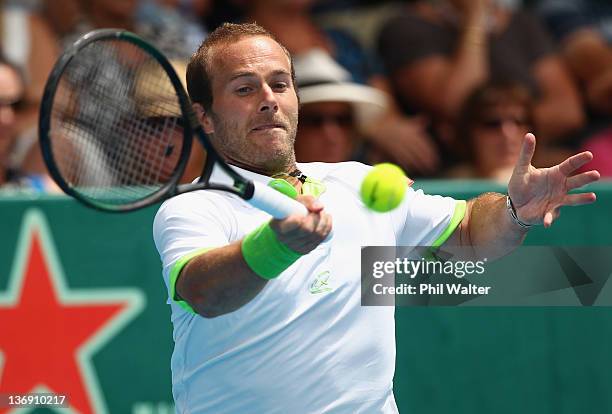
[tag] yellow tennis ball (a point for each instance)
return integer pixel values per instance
(384, 187)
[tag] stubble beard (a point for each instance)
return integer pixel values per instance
(237, 149)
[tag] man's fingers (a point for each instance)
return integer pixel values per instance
(329, 225)
(574, 162)
(527, 151)
(304, 233)
(311, 222)
(579, 180)
(285, 225)
(313, 231)
(323, 226)
(551, 216)
(311, 203)
(579, 199)
(320, 226)
(569, 200)
(548, 219)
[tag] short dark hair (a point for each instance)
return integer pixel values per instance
(199, 74)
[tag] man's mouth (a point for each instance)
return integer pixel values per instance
(266, 127)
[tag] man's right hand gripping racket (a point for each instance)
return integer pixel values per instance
(116, 128)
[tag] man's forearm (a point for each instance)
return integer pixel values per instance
(219, 281)
(222, 280)
(487, 228)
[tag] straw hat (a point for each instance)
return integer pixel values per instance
(153, 92)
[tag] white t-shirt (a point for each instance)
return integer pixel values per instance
(304, 344)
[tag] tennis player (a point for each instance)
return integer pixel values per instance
(266, 313)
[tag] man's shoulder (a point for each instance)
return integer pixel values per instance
(197, 202)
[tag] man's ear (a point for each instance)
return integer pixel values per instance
(204, 118)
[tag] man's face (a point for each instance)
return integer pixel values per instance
(326, 133)
(497, 136)
(255, 108)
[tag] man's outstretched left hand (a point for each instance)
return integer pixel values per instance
(539, 193)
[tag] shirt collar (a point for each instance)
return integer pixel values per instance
(312, 186)
(221, 177)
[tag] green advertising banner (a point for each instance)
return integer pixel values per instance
(83, 314)
(82, 308)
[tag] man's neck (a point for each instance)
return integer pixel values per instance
(288, 172)
(266, 170)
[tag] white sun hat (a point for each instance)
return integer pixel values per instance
(321, 79)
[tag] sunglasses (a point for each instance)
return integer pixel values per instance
(318, 120)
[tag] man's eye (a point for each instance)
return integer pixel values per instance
(244, 90)
(280, 86)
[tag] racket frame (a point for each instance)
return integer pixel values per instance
(191, 127)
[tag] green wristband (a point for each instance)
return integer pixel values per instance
(265, 254)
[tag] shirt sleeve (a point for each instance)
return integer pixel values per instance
(421, 219)
(427, 220)
(185, 226)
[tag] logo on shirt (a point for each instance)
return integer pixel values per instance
(321, 283)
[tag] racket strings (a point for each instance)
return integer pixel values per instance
(116, 128)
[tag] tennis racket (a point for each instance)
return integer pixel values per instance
(116, 129)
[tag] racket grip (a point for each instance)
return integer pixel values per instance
(274, 203)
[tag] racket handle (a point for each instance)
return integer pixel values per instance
(274, 203)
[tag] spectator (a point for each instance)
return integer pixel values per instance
(334, 110)
(181, 20)
(403, 140)
(158, 112)
(12, 91)
(439, 52)
(66, 20)
(490, 130)
(584, 30)
(28, 42)
(163, 26)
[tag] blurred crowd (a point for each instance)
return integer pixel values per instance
(444, 88)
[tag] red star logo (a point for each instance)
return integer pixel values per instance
(49, 331)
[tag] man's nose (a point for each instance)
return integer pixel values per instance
(268, 100)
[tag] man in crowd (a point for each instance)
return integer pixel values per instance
(335, 113)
